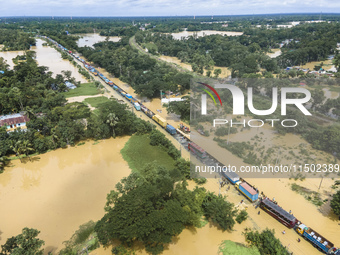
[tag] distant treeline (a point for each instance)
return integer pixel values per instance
(15, 40)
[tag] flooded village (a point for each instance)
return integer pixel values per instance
(61, 189)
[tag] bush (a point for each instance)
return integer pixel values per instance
(242, 216)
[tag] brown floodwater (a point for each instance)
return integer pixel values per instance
(206, 240)
(46, 56)
(276, 53)
(179, 35)
(90, 39)
(225, 72)
(60, 190)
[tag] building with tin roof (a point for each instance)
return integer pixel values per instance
(14, 121)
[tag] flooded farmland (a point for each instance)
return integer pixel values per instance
(90, 39)
(225, 72)
(46, 56)
(60, 190)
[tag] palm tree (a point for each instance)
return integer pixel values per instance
(15, 147)
(54, 136)
(3, 162)
(26, 148)
(29, 112)
(112, 120)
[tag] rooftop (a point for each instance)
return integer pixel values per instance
(13, 119)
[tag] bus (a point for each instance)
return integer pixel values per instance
(278, 213)
(197, 150)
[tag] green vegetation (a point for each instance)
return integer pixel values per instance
(203, 54)
(146, 76)
(265, 242)
(15, 40)
(25, 243)
(96, 101)
(335, 203)
(230, 248)
(83, 239)
(31, 89)
(309, 195)
(242, 216)
(181, 108)
(84, 89)
(152, 205)
(138, 152)
(219, 211)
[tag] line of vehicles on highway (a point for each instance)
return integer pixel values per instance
(249, 191)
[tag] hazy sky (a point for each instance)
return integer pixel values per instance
(161, 7)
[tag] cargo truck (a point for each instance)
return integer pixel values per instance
(278, 212)
(137, 106)
(128, 97)
(316, 239)
(159, 120)
(247, 190)
(231, 176)
(171, 130)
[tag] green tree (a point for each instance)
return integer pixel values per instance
(266, 242)
(335, 203)
(318, 96)
(112, 120)
(242, 216)
(3, 162)
(25, 243)
(26, 148)
(217, 72)
(181, 108)
(219, 211)
(15, 147)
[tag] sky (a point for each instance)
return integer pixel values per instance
(162, 7)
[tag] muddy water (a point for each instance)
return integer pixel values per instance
(206, 240)
(276, 53)
(46, 56)
(321, 219)
(224, 74)
(90, 39)
(9, 55)
(60, 191)
(179, 35)
(330, 94)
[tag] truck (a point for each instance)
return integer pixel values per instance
(316, 239)
(133, 100)
(231, 176)
(247, 190)
(137, 106)
(128, 97)
(159, 120)
(170, 129)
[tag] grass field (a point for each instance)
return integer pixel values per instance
(138, 152)
(85, 89)
(96, 101)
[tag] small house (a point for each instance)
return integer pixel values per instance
(14, 121)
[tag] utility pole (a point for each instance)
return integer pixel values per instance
(161, 97)
(320, 183)
(228, 135)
